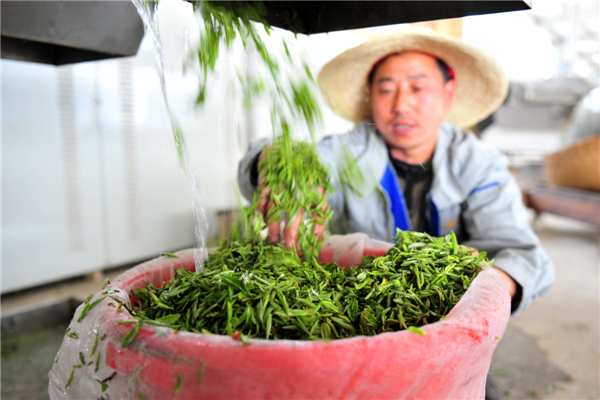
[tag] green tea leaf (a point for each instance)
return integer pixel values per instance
(201, 373)
(169, 255)
(70, 379)
(130, 336)
(416, 330)
(94, 346)
(88, 307)
(179, 383)
(169, 319)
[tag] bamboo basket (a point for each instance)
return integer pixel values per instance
(577, 166)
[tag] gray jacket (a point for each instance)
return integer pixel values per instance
(472, 194)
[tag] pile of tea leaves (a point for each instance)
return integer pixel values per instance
(258, 290)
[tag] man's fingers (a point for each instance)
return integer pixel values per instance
(264, 199)
(274, 232)
(290, 235)
(319, 228)
(511, 285)
(291, 231)
(274, 228)
(319, 222)
(475, 253)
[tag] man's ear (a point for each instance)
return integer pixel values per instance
(450, 88)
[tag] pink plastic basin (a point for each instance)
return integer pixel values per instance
(451, 361)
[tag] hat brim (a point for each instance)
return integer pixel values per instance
(481, 85)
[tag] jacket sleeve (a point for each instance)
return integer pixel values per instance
(496, 221)
(245, 168)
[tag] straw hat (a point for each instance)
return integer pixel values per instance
(481, 85)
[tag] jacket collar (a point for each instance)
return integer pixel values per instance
(374, 159)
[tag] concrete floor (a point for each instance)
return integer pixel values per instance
(551, 351)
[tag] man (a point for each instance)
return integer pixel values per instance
(409, 93)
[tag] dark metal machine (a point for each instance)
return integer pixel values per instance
(66, 32)
(326, 16)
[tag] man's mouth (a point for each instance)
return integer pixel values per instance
(402, 128)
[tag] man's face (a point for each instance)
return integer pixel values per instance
(409, 100)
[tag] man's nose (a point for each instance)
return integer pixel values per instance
(403, 101)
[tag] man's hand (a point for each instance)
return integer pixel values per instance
(266, 207)
(511, 285)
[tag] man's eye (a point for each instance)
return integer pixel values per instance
(417, 88)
